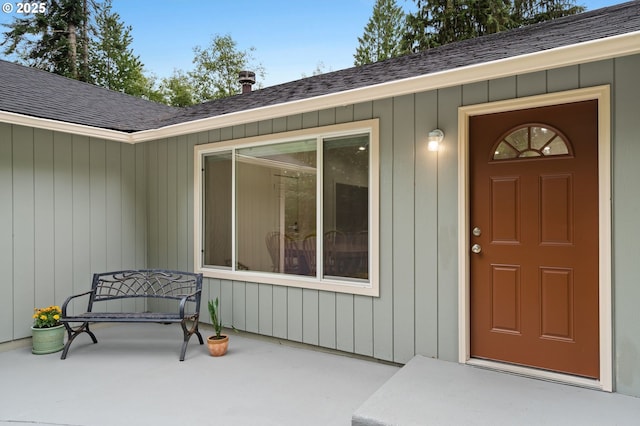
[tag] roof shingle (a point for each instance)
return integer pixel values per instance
(40, 94)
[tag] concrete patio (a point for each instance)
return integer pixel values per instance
(133, 377)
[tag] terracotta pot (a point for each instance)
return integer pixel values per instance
(218, 347)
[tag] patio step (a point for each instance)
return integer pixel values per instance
(427, 391)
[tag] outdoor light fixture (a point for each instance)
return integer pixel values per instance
(434, 139)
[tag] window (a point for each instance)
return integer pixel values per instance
(531, 141)
(296, 209)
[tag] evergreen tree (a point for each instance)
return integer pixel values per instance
(113, 64)
(527, 12)
(51, 40)
(439, 22)
(382, 34)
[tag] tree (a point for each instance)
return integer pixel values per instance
(217, 66)
(113, 64)
(382, 34)
(439, 22)
(320, 69)
(51, 40)
(527, 12)
(177, 90)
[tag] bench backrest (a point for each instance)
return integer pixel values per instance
(151, 283)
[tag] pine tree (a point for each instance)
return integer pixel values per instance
(439, 22)
(51, 40)
(113, 64)
(382, 34)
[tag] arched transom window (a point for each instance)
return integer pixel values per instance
(531, 140)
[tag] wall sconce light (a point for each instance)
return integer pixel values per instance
(434, 139)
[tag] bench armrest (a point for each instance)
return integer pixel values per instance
(66, 302)
(184, 299)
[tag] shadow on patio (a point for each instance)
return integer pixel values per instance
(133, 377)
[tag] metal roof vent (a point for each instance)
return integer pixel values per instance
(247, 79)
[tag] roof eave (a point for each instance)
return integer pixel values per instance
(66, 127)
(590, 51)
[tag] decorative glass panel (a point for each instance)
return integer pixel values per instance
(531, 141)
(519, 139)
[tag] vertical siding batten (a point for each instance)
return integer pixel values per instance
(44, 243)
(172, 204)
(426, 227)
(449, 100)
(63, 216)
(81, 216)
(626, 204)
(383, 320)
(403, 226)
(24, 238)
(7, 312)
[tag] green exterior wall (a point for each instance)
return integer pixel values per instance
(72, 205)
(69, 206)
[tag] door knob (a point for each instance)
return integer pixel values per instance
(476, 248)
(477, 231)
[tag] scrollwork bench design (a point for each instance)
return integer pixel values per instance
(182, 289)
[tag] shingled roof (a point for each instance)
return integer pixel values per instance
(40, 94)
(33, 92)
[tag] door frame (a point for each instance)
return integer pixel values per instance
(602, 95)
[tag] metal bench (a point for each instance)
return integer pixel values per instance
(182, 290)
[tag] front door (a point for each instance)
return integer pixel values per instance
(534, 237)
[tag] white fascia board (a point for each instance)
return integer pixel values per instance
(61, 126)
(591, 51)
(595, 50)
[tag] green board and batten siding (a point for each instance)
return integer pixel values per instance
(149, 189)
(70, 205)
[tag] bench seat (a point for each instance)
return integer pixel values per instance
(182, 290)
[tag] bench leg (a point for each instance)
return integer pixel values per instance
(73, 333)
(187, 335)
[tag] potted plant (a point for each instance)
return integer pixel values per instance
(47, 331)
(217, 343)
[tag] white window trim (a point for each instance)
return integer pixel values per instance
(370, 288)
(602, 95)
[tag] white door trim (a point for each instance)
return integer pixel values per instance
(602, 95)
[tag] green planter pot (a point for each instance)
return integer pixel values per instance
(47, 340)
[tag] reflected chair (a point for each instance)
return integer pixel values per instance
(309, 249)
(273, 245)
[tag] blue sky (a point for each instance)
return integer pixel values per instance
(291, 38)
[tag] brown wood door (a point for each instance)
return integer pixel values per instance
(534, 202)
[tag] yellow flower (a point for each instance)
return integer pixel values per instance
(56, 317)
(43, 317)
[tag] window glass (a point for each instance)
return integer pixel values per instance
(275, 206)
(295, 209)
(346, 206)
(531, 141)
(217, 209)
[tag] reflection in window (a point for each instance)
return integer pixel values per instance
(531, 141)
(275, 205)
(217, 209)
(300, 207)
(346, 206)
